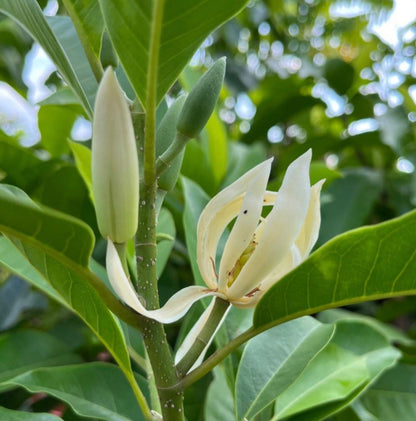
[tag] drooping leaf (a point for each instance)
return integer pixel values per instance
(59, 247)
(365, 264)
(182, 25)
(95, 390)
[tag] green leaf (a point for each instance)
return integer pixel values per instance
(285, 352)
(16, 263)
(59, 247)
(344, 368)
(10, 415)
(365, 264)
(339, 74)
(82, 156)
(393, 397)
(348, 201)
(26, 350)
(88, 21)
(55, 125)
(28, 14)
(220, 401)
(183, 27)
(165, 225)
(95, 390)
(66, 34)
(17, 299)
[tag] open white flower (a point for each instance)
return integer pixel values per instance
(258, 251)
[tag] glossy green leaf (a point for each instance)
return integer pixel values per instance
(285, 352)
(11, 415)
(183, 27)
(365, 264)
(29, 15)
(95, 390)
(26, 350)
(393, 397)
(344, 368)
(348, 201)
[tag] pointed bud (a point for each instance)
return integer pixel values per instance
(115, 166)
(201, 100)
(165, 136)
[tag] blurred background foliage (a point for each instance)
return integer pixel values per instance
(335, 76)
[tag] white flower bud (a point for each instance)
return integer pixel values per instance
(115, 166)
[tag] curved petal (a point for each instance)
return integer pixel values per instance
(173, 310)
(193, 334)
(310, 230)
(283, 225)
(245, 225)
(218, 213)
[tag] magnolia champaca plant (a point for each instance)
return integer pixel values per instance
(196, 276)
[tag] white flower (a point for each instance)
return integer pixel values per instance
(258, 251)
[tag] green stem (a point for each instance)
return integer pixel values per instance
(202, 340)
(216, 358)
(175, 148)
(153, 333)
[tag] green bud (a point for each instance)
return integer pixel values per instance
(115, 166)
(108, 56)
(201, 100)
(165, 136)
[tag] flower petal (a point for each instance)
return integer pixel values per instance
(245, 225)
(283, 225)
(310, 230)
(173, 310)
(218, 213)
(193, 334)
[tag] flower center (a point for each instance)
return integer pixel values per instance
(241, 261)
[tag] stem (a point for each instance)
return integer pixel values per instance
(139, 397)
(216, 358)
(204, 337)
(174, 149)
(153, 333)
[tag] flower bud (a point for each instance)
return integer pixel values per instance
(165, 136)
(201, 100)
(115, 166)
